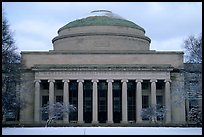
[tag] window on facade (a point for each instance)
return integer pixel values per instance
(45, 115)
(145, 101)
(44, 85)
(159, 100)
(145, 84)
(60, 112)
(117, 101)
(59, 99)
(59, 85)
(131, 89)
(73, 99)
(102, 96)
(87, 102)
(160, 84)
(160, 108)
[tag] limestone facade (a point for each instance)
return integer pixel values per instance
(103, 54)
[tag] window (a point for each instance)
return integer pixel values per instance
(59, 85)
(145, 101)
(44, 85)
(59, 99)
(45, 115)
(131, 89)
(73, 99)
(159, 100)
(145, 84)
(160, 84)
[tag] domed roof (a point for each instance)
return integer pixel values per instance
(101, 18)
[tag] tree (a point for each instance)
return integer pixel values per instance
(193, 49)
(10, 71)
(57, 111)
(152, 113)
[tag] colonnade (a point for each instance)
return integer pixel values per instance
(109, 98)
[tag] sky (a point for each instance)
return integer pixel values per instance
(167, 24)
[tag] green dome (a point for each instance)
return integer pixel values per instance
(101, 21)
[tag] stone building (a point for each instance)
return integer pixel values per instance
(103, 65)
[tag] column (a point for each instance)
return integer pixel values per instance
(80, 101)
(138, 100)
(95, 102)
(124, 101)
(167, 100)
(37, 101)
(110, 101)
(66, 100)
(153, 97)
(51, 97)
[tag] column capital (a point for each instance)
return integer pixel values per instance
(124, 80)
(138, 80)
(167, 80)
(109, 80)
(80, 80)
(51, 80)
(37, 80)
(65, 80)
(153, 80)
(94, 80)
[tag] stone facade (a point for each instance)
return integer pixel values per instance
(104, 54)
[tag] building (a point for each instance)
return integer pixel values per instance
(193, 88)
(103, 65)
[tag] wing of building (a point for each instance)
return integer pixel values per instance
(102, 64)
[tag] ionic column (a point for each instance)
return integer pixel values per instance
(66, 99)
(80, 101)
(110, 101)
(167, 100)
(37, 101)
(139, 101)
(124, 101)
(153, 96)
(51, 97)
(95, 102)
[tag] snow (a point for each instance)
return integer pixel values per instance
(102, 131)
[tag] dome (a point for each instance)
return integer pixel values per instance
(101, 31)
(101, 18)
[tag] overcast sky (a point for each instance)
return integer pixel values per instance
(167, 24)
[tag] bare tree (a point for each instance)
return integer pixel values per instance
(57, 111)
(193, 49)
(10, 71)
(152, 113)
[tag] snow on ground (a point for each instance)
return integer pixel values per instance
(102, 131)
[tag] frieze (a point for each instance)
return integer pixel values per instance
(101, 75)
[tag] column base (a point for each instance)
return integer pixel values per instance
(94, 122)
(124, 122)
(109, 122)
(80, 122)
(139, 121)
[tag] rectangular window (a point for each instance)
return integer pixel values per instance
(44, 114)
(145, 101)
(59, 99)
(145, 85)
(160, 85)
(59, 85)
(159, 100)
(44, 85)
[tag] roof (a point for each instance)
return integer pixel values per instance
(107, 19)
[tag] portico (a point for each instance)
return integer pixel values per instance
(109, 77)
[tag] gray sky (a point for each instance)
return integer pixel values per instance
(167, 24)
